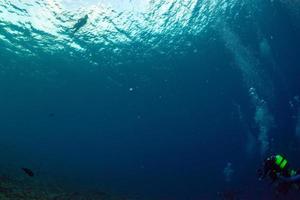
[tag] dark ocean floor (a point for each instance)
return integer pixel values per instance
(22, 189)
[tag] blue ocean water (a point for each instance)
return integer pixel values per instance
(166, 99)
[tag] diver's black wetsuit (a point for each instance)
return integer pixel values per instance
(282, 176)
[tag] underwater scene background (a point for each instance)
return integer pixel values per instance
(149, 99)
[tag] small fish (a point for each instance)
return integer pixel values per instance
(29, 172)
(51, 114)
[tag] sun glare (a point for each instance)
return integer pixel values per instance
(120, 5)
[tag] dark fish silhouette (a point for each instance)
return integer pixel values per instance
(51, 114)
(81, 22)
(27, 171)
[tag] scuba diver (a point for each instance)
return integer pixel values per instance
(80, 23)
(277, 169)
